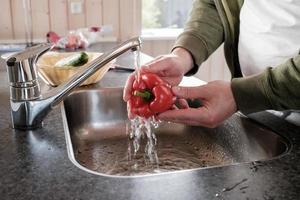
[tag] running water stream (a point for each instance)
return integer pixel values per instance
(142, 129)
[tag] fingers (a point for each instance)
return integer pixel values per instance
(191, 116)
(158, 66)
(190, 92)
(182, 104)
(128, 87)
(199, 115)
(130, 114)
(187, 122)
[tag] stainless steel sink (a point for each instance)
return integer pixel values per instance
(96, 127)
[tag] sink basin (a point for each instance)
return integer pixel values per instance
(96, 127)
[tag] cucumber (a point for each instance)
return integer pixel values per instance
(74, 60)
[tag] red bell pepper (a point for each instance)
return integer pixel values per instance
(151, 95)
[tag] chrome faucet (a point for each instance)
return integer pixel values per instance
(28, 105)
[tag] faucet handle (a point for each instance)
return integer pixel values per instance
(21, 66)
(29, 53)
(22, 72)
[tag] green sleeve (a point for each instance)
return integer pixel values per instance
(203, 32)
(276, 88)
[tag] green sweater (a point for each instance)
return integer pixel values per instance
(213, 22)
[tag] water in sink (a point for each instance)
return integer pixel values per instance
(172, 152)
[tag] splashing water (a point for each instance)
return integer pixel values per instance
(142, 129)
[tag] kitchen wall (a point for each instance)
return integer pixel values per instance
(64, 15)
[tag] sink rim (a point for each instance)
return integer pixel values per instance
(71, 155)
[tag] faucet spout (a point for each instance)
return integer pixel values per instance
(61, 91)
(29, 113)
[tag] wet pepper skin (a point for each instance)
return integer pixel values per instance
(150, 96)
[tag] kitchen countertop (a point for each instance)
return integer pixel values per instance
(35, 165)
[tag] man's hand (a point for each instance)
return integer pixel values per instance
(171, 68)
(218, 104)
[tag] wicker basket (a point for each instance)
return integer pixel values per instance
(55, 76)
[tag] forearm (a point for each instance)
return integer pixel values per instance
(276, 88)
(203, 32)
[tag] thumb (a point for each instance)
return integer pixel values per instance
(189, 92)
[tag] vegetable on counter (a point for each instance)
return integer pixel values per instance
(151, 95)
(75, 60)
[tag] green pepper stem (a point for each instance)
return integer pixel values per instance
(147, 95)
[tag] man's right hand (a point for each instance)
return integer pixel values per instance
(217, 100)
